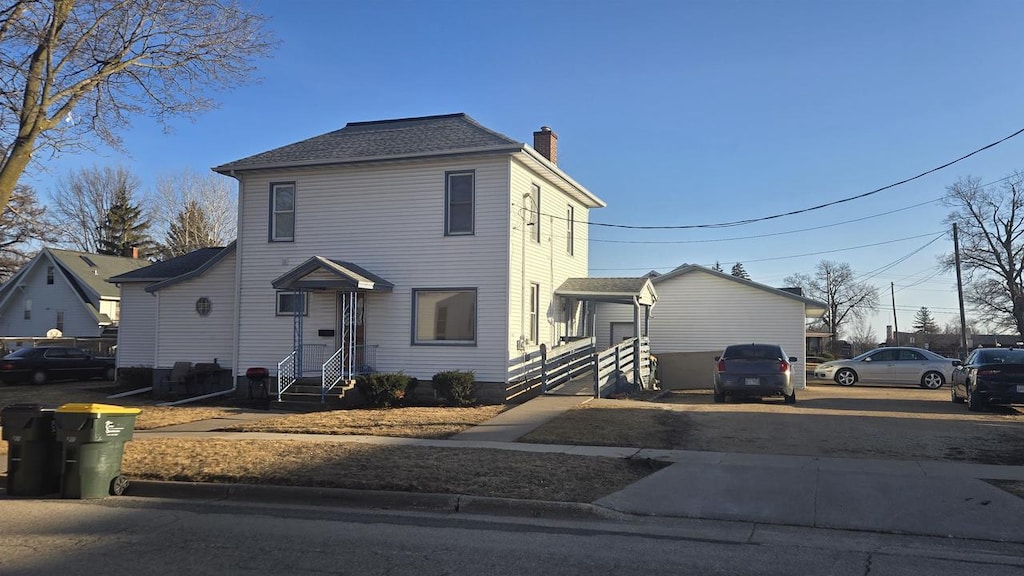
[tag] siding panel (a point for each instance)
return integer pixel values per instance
(136, 335)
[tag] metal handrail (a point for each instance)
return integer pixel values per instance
(339, 367)
(285, 374)
(332, 373)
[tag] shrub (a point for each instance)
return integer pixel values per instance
(135, 376)
(384, 389)
(456, 387)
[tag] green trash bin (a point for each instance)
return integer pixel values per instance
(33, 452)
(92, 438)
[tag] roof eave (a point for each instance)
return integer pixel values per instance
(233, 167)
(594, 201)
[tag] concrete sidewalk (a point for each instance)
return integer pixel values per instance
(946, 499)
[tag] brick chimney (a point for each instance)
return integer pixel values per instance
(546, 142)
(135, 252)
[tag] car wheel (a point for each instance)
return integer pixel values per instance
(846, 377)
(953, 396)
(974, 404)
(109, 374)
(719, 397)
(932, 380)
(39, 377)
(118, 485)
(790, 398)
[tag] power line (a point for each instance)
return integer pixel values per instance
(819, 206)
(806, 254)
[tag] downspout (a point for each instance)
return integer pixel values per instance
(237, 322)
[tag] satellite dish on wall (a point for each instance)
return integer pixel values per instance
(54, 333)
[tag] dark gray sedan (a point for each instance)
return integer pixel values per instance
(45, 363)
(754, 370)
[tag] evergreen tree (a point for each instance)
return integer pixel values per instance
(738, 271)
(717, 267)
(190, 231)
(923, 322)
(124, 228)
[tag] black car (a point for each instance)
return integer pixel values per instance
(989, 376)
(45, 363)
(754, 370)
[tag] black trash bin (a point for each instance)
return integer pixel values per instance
(93, 438)
(33, 452)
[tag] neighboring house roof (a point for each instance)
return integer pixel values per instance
(620, 290)
(92, 270)
(812, 308)
(85, 273)
(175, 270)
(339, 274)
(398, 139)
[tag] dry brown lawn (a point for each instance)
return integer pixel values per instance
(159, 416)
(411, 422)
(478, 472)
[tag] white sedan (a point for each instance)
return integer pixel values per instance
(890, 365)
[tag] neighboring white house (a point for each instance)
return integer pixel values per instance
(416, 245)
(701, 311)
(66, 291)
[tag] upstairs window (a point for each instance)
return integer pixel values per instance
(28, 309)
(533, 213)
(282, 212)
(49, 274)
(570, 229)
(459, 198)
(60, 321)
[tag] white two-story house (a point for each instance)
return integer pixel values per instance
(414, 245)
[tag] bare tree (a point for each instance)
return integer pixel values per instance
(862, 337)
(210, 195)
(82, 200)
(846, 297)
(991, 225)
(74, 71)
(22, 228)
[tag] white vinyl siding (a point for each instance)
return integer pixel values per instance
(183, 334)
(700, 312)
(136, 334)
(385, 218)
(545, 263)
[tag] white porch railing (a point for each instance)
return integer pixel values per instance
(344, 367)
(285, 374)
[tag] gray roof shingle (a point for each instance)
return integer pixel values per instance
(602, 285)
(382, 139)
(169, 268)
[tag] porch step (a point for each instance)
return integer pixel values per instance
(306, 397)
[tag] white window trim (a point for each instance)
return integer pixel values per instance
(570, 230)
(534, 312)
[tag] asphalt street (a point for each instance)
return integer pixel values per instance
(148, 536)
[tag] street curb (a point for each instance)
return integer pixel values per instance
(373, 499)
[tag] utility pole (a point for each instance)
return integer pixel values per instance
(960, 293)
(895, 322)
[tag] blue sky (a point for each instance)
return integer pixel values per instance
(674, 112)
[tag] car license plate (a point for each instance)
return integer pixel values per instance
(751, 381)
(1020, 388)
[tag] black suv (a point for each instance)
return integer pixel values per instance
(756, 370)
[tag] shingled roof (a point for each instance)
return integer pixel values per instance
(169, 268)
(383, 140)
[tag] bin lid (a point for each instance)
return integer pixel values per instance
(90, 408)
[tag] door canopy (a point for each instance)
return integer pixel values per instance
(319, 273)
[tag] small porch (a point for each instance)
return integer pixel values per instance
(576, 366)
(313, 369)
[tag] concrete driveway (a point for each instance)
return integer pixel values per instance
(862, 421)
